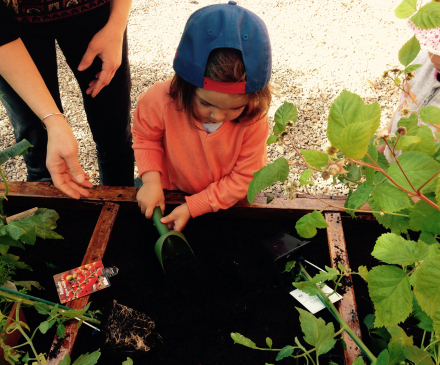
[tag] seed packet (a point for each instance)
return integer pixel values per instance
(83, 280)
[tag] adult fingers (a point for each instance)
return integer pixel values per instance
(105, 76)
(87, 59)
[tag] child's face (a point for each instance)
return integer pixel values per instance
(435, 60)
(216, 107)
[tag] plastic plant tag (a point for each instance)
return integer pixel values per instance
(83, 280)
(25, 214)
(312, 302)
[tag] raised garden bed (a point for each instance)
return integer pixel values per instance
(238, 292)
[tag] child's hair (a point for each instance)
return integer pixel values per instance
(224, 65)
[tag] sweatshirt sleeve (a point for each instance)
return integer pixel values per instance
(148, 130)
(232, 187)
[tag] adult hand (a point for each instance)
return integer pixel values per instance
(62, 159)
(178, 218)
(107, 45)
(150, 195)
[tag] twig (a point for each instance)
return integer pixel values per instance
(398, 163)
(427, 182)
(299, 152)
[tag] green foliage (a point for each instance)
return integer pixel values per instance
(396, 347)
(19, 149)
(316, 159)
(425, 218)
(306, 225)
(409, 51)
(285, 113)
(316, 332)
(307, 174)
(390, 199)
(425, 142)
(428, 16)
(267, 176)
(418, 356)
(359, 197)
(240, 339)
(390, 290)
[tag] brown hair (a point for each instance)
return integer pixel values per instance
(224, 65)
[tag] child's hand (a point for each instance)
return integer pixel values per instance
(178, 218)
(150, 195)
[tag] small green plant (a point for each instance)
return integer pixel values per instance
(404, 196)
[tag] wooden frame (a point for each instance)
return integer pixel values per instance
(109, 199)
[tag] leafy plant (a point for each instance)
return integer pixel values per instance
(404, 196)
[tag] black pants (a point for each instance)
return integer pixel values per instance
(108, 114)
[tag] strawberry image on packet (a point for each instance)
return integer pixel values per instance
(83, 280)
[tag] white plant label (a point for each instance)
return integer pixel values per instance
(312, 302)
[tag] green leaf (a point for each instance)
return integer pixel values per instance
(428, 16)
(349, 108)
(316, 332)
(363, 272)
(240, 339)
(23, 230)
(412, 68)
(425, 218)
(272, 139)
(368, 171)
(354, 172)
(4, 250)
(305, 176)
(359, 197)
(405, 141)
(25, 359)
(128, 362)
(418, 356)
(369, 321)
(428, 238)
(307, 287)
(267, 176)
(307, 224)
(425, 323)
(44, 326)
(417, 166)
(88, 359)
(399, 341)
(61, 330)
(65, 361)
(398, 223)
(358, 361)
(285, 352)
(410, 123)
(289, 265)
(427, 144)
(427, 289)
(54, 310)
(430, 114)
(19, 149)
(74, 312)
(323, 276)
(383, 358)
(390, 291)
(437, 191)
(355, 139)
(394, 249)
(29, 284)
(269, 342)
(409, 51)
(390, 199)
(383, 162)
(269, 199)
(284, 114)
(42, 308)
(9, 241)
(316, 159)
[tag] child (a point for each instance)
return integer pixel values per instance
(424, 88)
(204, 131)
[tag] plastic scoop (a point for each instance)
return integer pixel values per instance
(171, 243)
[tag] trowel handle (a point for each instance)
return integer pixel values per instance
(162, 228)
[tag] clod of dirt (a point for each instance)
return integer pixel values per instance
(128, 330)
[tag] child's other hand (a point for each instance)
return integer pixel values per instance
(178, 218)
(150, 195)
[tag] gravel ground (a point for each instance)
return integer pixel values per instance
(319, 49)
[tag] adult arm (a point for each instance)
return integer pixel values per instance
(19, 70)
(107, 45)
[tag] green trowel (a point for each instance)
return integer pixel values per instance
(171, 243)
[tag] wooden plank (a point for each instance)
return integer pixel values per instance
(95, 252)
(279, 207)
(347, 306)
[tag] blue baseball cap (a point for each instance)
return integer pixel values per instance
(225, 26)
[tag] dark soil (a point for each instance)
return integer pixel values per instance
(232, 286)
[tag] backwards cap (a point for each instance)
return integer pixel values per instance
(225, 26)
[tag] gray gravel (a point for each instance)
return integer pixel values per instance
(319, 48)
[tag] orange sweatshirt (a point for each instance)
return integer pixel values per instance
(215, 168)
